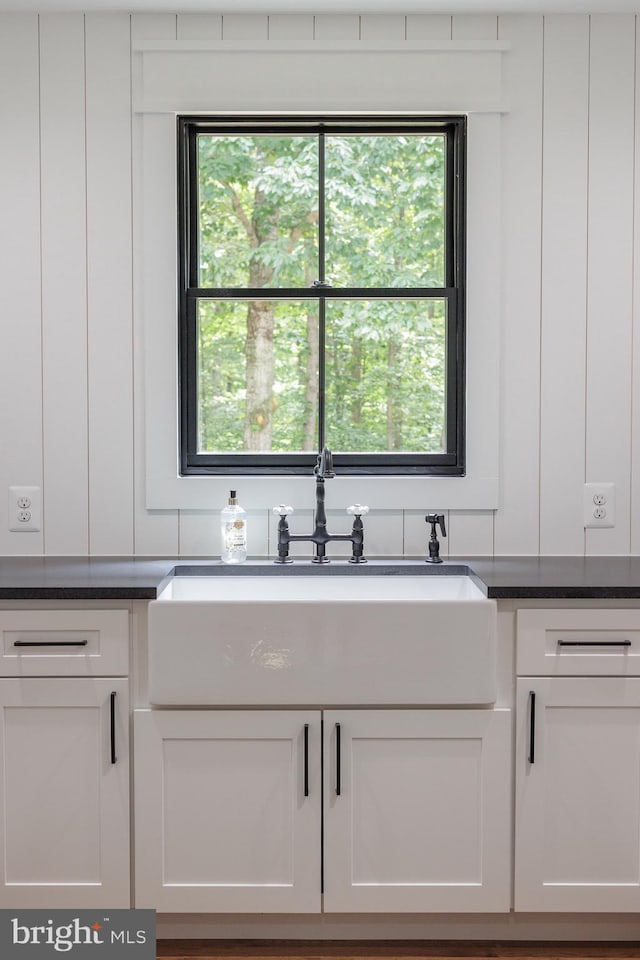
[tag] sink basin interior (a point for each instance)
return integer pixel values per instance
(303, 589)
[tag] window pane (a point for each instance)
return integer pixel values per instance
(257, 376)
(385, 373)
(258, 210)
(385, 210)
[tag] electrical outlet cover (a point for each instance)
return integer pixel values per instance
(25, 509)
(599, 505)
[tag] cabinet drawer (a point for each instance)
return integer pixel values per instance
(65, 643)
(578, 642)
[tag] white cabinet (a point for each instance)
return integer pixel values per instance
(578, 763)
(229, 810)
(64, 792)
(64, 758)
(417, 810)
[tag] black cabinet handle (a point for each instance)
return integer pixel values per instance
(112, 718)
(306, 759)
(594, 643)
(50, 643)
(338, 784)
(532, 726)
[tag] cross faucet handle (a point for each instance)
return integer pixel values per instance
(357, 510)
(283, 510)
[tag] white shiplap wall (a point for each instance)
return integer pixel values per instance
(71, 346)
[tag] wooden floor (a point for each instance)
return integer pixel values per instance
(390, 950)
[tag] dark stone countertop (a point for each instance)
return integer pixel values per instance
(127, 578)
(82, 578)
(547, 578)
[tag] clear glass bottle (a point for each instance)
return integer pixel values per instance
(233, 529)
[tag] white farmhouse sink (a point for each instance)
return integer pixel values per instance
(322, 640)
(339, 589)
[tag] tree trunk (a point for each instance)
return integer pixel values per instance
(310, 438)
(262, 227)
(310, 435)
(260, 373)
(259, 352)
(355, 380)
(394, 410)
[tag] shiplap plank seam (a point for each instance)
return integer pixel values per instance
(610, 270)
(20, 272)
(109, 260)
(64, 284)
(635, 402)
(564, 283)
(516, 523)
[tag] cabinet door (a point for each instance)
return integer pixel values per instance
(417, 810)
(64, 793)
(578, 794)
(223, 820)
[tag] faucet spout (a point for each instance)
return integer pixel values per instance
(323, 471)
(324, 466)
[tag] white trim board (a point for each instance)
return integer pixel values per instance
(156, 277)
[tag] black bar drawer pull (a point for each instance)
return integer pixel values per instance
(594, 643)
(50, 643)
(112, 719)
(306, 759)
(532, 726)
(338, 784)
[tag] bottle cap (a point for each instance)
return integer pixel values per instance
(232, 497)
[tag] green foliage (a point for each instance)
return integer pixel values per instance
(258, 205)
(385, 385)
(222, 374)
(385, 222)
(385, 359)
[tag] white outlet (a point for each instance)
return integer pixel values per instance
(25, 509)
(599, 505)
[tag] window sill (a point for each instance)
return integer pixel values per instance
(379, 493)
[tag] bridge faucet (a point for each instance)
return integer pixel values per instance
(323, 470)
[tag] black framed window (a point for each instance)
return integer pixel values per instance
(321, 300)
